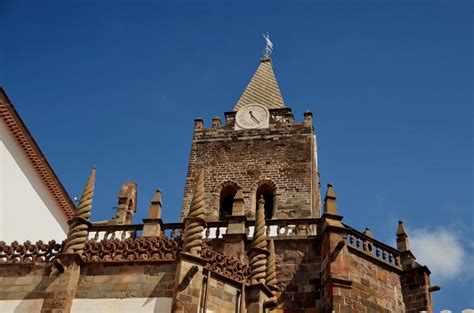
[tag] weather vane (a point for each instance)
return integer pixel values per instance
(269, 46)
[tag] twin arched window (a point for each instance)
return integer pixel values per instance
(227, 194)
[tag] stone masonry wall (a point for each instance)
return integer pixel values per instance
(24, 281)
(416, 294)
(374, 287)
(222, 297)
(298, 265)
(281, 155)
(126, 281)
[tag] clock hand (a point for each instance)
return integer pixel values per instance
(254, 118)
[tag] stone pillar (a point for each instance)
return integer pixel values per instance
(62, 291)
(188, 292)
(416, 290)
(68, 263)
(189, 273)
(153, 225)
(335, 267)
(415, 278)
(236, 235)
(258, 296)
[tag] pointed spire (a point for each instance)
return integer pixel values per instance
(258, 249)
(402, 238)
(330, 205)
(271, 267)
(78, 226)
(262, 88)
(154, 211)
(195, 219)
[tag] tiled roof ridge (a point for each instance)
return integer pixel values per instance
(25, 140)
(263, 88)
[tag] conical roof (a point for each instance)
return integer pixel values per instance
(262, 88)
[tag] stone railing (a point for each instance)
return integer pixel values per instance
(122, 232)
(294, 228)
(29, 252)
(373, 248)
(173, 230)
(215, 230)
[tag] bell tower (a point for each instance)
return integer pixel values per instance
(260, 150)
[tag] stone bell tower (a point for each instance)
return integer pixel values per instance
(259, 149)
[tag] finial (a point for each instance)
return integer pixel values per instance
(330, 206)
(402, 238)
(154, 211)
(368, 232)
(268, 47)
(216, 122)
(258, 250)
(194, 221)
(271, 267)
(78, 226)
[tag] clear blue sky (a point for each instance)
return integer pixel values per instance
(389, 82)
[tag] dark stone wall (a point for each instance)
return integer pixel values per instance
(281, 155)
(126, 281)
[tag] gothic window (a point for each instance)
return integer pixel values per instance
(267, 191)
(226, 201)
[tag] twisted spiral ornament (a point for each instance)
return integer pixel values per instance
(271, 267)
(78, 230)
(258, 261)
(194, 225)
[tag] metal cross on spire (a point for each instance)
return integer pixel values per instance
(268, 47)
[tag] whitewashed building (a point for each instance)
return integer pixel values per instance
(33, 203)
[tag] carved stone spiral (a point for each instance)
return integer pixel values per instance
(78, 227)
(194, 221)
(258, 260)
(271, 267)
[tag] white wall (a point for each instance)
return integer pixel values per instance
(134, 305)
(28, 211)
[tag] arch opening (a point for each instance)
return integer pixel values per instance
(266, 191)
(226, 201)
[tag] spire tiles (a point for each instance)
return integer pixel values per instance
(262, 88)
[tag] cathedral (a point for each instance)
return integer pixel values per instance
(255, 234)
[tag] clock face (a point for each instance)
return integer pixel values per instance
(252, 116)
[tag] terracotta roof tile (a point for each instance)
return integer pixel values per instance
(19, 130)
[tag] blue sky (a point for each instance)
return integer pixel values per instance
(389, 83)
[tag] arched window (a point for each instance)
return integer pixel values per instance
(267, 191)
(226, 201)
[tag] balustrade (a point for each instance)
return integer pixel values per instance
(110, 232)
(373, 248)
(287, 228)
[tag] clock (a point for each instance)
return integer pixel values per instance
(252, 116)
